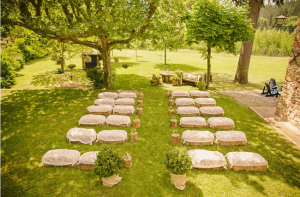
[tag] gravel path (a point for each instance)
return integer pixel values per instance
(252, 98)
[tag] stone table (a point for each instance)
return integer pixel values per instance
(166, 76)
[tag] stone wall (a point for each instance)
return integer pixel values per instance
(289, 103)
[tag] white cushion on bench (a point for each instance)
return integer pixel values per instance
(184, 102)
(92, 119)
(181, 94)
(127, 95)
(246, 159)
(199, 94)
(85, 136)
(230, 136)
(197, 136)
(211, 110)
(207, 159)
(106, 101)
(123, 109)
(112, 135)
(124, 101)
(187, 111)
(118, 120)
(112, 95)
(61, 157)
(205, 101)
(88, 158)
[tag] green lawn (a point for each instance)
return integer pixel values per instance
(37, 120)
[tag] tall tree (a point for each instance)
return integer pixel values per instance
(167, 30)
(218, 24)
(241, 75)
(98, 24)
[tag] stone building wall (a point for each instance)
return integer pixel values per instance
(289, 103)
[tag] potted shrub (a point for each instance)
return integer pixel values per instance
(125, 66)
(174, 80)
(107, 166)
(168, 95)
(153, 77)
(178, 162)
(153, 82)
(173, 122)
(158, 79)
(127, 161)
(201, 85)
(136, 123)
(71, 66)
(179, 73)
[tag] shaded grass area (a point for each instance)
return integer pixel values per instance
(35, 121)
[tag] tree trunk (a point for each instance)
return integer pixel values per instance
(62, 57)
(112, 52)
(241, 75)
(165, 54)
(208, 65)
(105, 52)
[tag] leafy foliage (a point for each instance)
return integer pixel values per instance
(178, 161)
(218, 24)
(201, 85)
(71, 66)
(174, 78)
(59, 71)
(108, 162)
(96, 76)
(11, 61)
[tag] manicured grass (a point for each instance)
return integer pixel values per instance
(35, 121)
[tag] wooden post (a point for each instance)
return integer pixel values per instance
(171, 103)
(134, 136)
(136, 123)
(140, 102)
(127, 161)
(141, 95)
(175, 138)
(139, 111)
(173, 123)
(83, 61)
(171, 112)
(168, 95)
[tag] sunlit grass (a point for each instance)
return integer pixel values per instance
(35, 121)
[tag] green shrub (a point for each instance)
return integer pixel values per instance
(201, 85)
(175, 78)
(55, 57)
(59, 71)
(178, 161)
(96, 76)
(108, 162)
(71, 66)
(153, 81)
(178, 72)
(125, 65)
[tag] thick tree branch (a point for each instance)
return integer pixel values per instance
(67, 13)
(152, 10)
(37, 5)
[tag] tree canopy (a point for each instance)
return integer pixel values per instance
(218, 24)
(98, 24)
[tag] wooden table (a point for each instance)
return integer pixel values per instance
(166, 76)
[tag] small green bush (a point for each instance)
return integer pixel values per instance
(178, 72)
(153, 81)
(201, 85)
(178, 161)
(96, 76)
(108, 162)
(71, 66)
(59, 71)
(125, 65)
(175, 78)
